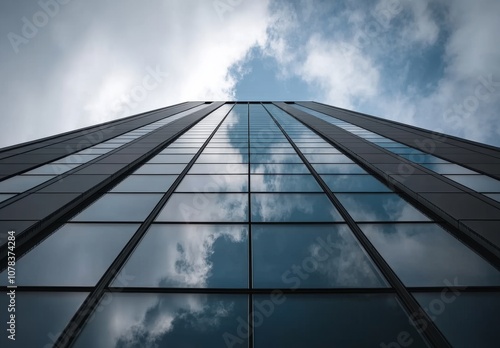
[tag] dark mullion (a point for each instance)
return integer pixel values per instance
(70, 333)
(250, 258)
(431, 332)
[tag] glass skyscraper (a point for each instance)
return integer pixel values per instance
(250, 224)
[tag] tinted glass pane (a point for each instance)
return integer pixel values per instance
(171, 159)
(184, 207)
(480, 183)
(52, 169)
(160, 169)
(222, 158)
(199, 256)
(284, 183)
(213, 183)
(40, 317)
(76, 158)
(379, 207)
(426, 255)
(354, 183)
(167, 320)
(64, 258)
(279, 168)
(22, 183)
(335, 158)
(275, 158)
(185, 150)
(145, 183)
(310, 256)
(339, 168)
(341, 320)
(466, 319)
(279, 207)
(447, 168)
(4, 197)
(120, 207)
(229, 168)
(495, 196)
(423, 158)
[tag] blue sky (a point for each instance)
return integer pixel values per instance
(67, 64)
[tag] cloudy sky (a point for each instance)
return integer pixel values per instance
(66, 64)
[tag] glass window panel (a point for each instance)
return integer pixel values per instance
(40, 317)
(333, 321)
(171, 159)
(52, 169)
(335, 158)
(405, 150)
(278, 168)
(310, 256)
(466, 319)
(213, 183)
(120, 207)
(284, 183)
(167, 320)
(354, 183)
(379, 207)
(184, 150)
(273, 158)
(94, 151)
(145, 183)
(206, 207)
(272, 150)
(22, 183)
(280, 207)
(427, 255)
(495, 196)
(224, 168)
(160, 169)
(320, 150)
(4, 197)
(222, 158)
(480, 183)
(226, 150)
(424, 158)
(76, 158)
(447, 168)
(191, 255)
(339, 168)
(75, 255)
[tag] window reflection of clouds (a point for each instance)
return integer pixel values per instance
(379, 207)
(293, 207)
(284, 183)
(426, 255)
(187, 256)
(149, 320)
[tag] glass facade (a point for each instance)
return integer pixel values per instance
(242, 225)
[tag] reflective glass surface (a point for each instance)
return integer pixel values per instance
(338, 168)
(354, 183)
(160, 169)
(480, 183)
(120, 207)
(427, 255)
(283, 168)
(4, 197)
(171, 159)
(284, 183)
(222, 158)
(340, 320)
(22, 183)
(40, 317)
(310, 256)
(447, 168)
(205, 207)
(145, 183)
(278, 207)
(75, 255)
(424, 158)
(495, 196)
(323, 158)
(52, 169)
(224, 168)
(213, 183)
(379, 207)
(275, 158)
(466, 319)
(167, 320)
(76, 158)
(193, 256)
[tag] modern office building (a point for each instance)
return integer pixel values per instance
(250, 224)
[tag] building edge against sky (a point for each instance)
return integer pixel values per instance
(415, 214)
